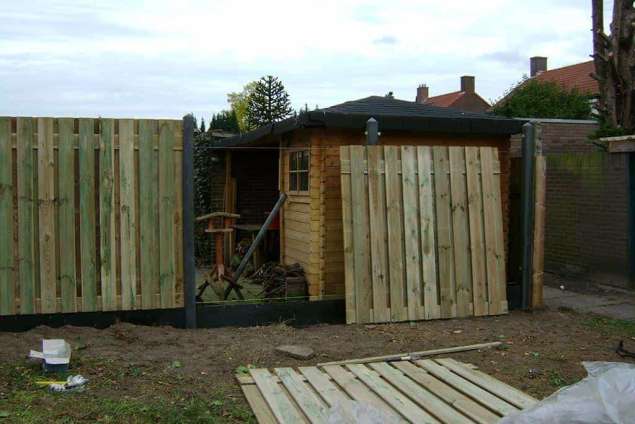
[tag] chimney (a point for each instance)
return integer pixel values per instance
(537, 64)
(422, 94)
(467, 83)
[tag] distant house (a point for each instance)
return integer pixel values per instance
(466, 99)
(577, 76)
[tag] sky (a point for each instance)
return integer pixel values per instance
(164, 58)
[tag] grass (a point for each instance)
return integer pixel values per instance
(113, 398)
(611, 326)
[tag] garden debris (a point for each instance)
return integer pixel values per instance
(296, 351)
(55, 355)
(74, 383)
(281, 281)
(623, 352)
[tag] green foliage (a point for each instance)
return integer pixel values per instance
(611, 326)
(239, 103)
(538, 99)
(268, 103)
(225, 120)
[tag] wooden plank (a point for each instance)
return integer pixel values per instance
(394, 398)
(7, 267)
(423, 397)
(127, 213)
(378, 239)
(452, 396)
(27, 212)
(427, 224)
(66, 214)
(444, 232)
(323, 385)
(148, 216)
(87, 214)
(472, 390)
(492, 218)
(281, 406)
(311, 405)
(361, 237)
(394, 220)
(167, 205)
(107, 214)
(538, 263)
(46, 202)
(460, 232)
(258, 404)
(355, 389)
(412, 238)
(497, 387)
(477, 243)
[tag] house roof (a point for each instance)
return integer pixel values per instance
(576, 76)
(391, 114)
(445, 100)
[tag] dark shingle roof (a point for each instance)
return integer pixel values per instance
(392, 114)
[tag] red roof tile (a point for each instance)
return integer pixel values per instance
(572, 76)
(444, 100)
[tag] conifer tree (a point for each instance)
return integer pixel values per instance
(269, 102)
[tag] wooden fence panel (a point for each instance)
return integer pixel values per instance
(434, 249)
(114, 186)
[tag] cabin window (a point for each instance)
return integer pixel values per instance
(299, 171)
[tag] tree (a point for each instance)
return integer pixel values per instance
(539, 99)
(614, 59)
(202, 125)
(225, 120)
(268, 103)
(239, 103)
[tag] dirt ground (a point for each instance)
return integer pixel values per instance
(163, 374)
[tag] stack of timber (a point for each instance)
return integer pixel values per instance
(420, 391)
(281, 281)
(423, 232)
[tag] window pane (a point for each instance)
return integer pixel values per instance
(293, 165)
(305, 161)
(293, 181)
(304, 181)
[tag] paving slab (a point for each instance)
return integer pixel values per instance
(612, 305)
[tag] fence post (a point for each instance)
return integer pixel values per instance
(527, 217)
(189, 272)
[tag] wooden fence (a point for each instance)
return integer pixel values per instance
(90, 215)
(423, 232)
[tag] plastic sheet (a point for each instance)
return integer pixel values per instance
(605, 396)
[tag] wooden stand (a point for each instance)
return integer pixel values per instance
(219, 224)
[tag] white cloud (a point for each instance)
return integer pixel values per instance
(164, 58)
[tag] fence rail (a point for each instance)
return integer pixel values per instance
(90, 215)
(423, 232)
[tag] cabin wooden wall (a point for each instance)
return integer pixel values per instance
(311, 232)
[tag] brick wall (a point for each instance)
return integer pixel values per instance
(561, 137)
(587, 216)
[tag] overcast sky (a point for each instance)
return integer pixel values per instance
(160, 58)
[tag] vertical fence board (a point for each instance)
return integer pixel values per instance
(496, 205)
(46, 204)
(127, 214)
(167, 276)
(477, 243)
(148, 188)
(460, 232)
(428, 224)
(411, 232)
(347, 228)
(377, 202)
(7, 286)
(66, 211)
(361, 236)
(107, 214)
(492, 249)
(444, 232)
(394, 221)
(26, 214)
(87, 212)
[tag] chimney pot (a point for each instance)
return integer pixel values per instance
(468, 83)
(537, 64)
(422, 93)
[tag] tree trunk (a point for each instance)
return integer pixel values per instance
(614, 59)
